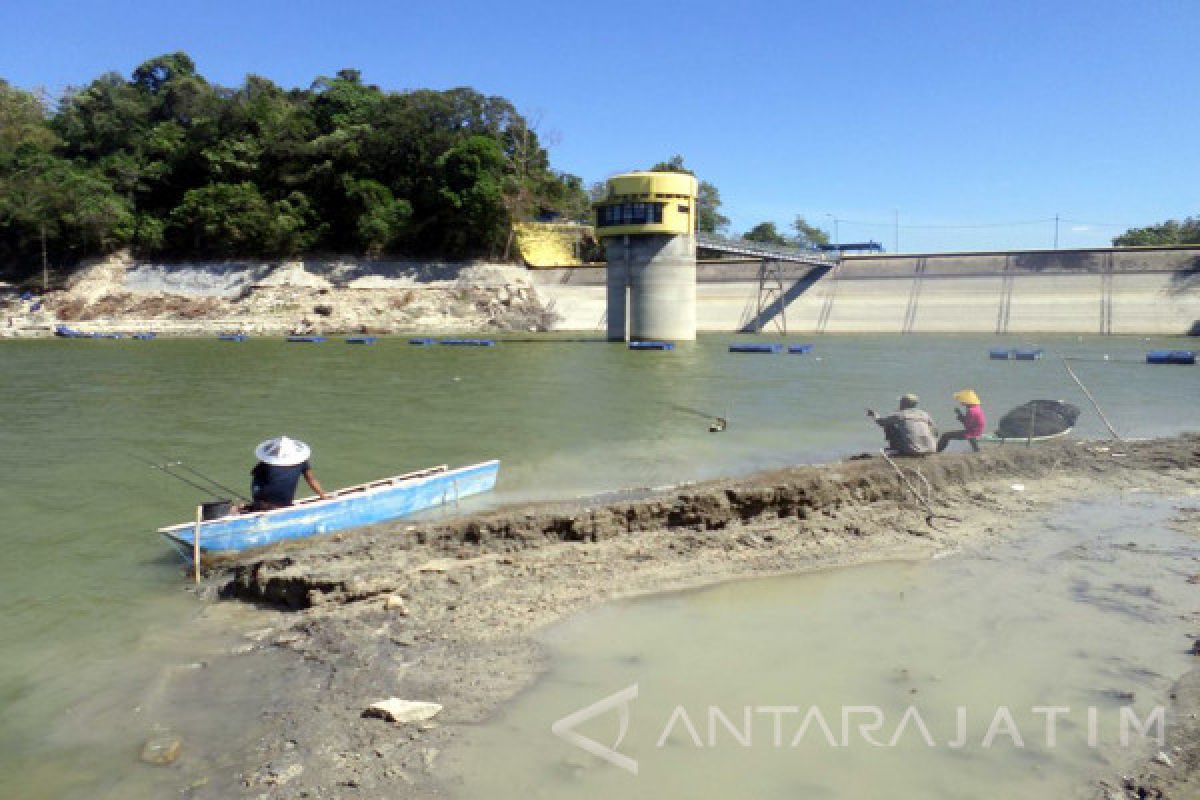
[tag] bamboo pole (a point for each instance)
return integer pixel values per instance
(1095, 405)
(196, 545)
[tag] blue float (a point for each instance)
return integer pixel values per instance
(468, 342)
(422, 342)
(1028, 354)
(361, 339)
(306, 339)
(232, 337)
(145, 336)
(756, 348)
(651, 346)
(800, 349)
(999, 354)
(1171, 357)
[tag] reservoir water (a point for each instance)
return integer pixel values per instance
(92, 603)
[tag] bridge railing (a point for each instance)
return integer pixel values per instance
(743, 247)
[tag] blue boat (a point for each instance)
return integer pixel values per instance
(1171, 357)
(651, 346)
(1028, 354)
(354, 506)
(232, 337)
(145, 337)
(800, 349)
(469, 342)
(361, 339)
(67, 332)
(422, 342)
(306, 339)
(762, 347)
(1000, 354)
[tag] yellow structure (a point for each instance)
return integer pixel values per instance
(551, 244)
(647, 203)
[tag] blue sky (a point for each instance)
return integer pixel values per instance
(945, 113)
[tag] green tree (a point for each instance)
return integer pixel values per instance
(808, 236)
(766, 233)
(1166, 233)
(709, 218)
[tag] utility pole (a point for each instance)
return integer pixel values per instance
(1056, 231)
(835, 229)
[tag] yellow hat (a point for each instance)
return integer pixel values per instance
(967, 397)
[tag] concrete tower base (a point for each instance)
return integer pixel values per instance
(651, 287)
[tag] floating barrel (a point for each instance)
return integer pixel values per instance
(651, 346)
(1170, 357)
(756, 348)
(799, 349)
(999, 354)
(1028, 354)
(361, 339)
(422, 342)
(469, 342)
(232, 337)
(148, 335)
(306, 339)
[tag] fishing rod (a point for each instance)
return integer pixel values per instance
(204, 477)
(165, 468)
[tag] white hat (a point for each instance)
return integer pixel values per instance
(282, 452)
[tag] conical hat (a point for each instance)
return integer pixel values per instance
(282, 452)
(967, 397)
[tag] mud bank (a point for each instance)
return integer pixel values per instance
(446, 611)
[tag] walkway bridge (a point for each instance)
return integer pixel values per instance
(774, 295)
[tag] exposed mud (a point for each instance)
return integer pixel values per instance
(445, 611)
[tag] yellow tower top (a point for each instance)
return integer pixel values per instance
(647, 202)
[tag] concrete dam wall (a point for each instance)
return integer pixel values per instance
(1105, 291)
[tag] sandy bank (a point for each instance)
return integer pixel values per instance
(446, 612)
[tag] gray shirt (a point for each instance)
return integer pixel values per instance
(909, 432)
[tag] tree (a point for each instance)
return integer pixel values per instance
(709, 218)
(766, 233)
(808, 236)
(1166, 233)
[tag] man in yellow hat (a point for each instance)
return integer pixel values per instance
(972, 418)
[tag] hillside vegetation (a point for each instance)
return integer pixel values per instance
(170, 165)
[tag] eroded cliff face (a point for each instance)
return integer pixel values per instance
(321, 296)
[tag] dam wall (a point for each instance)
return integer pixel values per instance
(1104, 291)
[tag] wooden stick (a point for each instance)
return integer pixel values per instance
(1095, 405)
(196, 544)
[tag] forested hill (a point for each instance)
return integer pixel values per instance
(173, 166)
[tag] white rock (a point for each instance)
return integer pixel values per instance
(400, 711)
(1164, 759)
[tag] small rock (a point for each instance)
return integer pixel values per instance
(1164, 759)
(399, 711)
(395, 603)
(161, 749)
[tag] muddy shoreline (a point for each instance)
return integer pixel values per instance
(448, 611)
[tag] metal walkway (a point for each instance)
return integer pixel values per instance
(741, 247)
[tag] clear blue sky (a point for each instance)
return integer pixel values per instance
(949, 113)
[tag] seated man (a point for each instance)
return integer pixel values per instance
(281, 462)
(910, 431)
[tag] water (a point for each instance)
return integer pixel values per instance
(1071, 617)
(91, 601)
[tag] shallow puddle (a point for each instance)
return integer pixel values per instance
(1088, 611)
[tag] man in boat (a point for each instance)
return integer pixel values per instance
(972, 418)
(910, 431)
(281, 463)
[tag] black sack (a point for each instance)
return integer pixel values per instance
(1048, 417)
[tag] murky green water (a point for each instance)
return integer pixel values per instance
(1073, 616)
(88, 592)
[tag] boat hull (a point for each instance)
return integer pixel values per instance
(353, 507)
